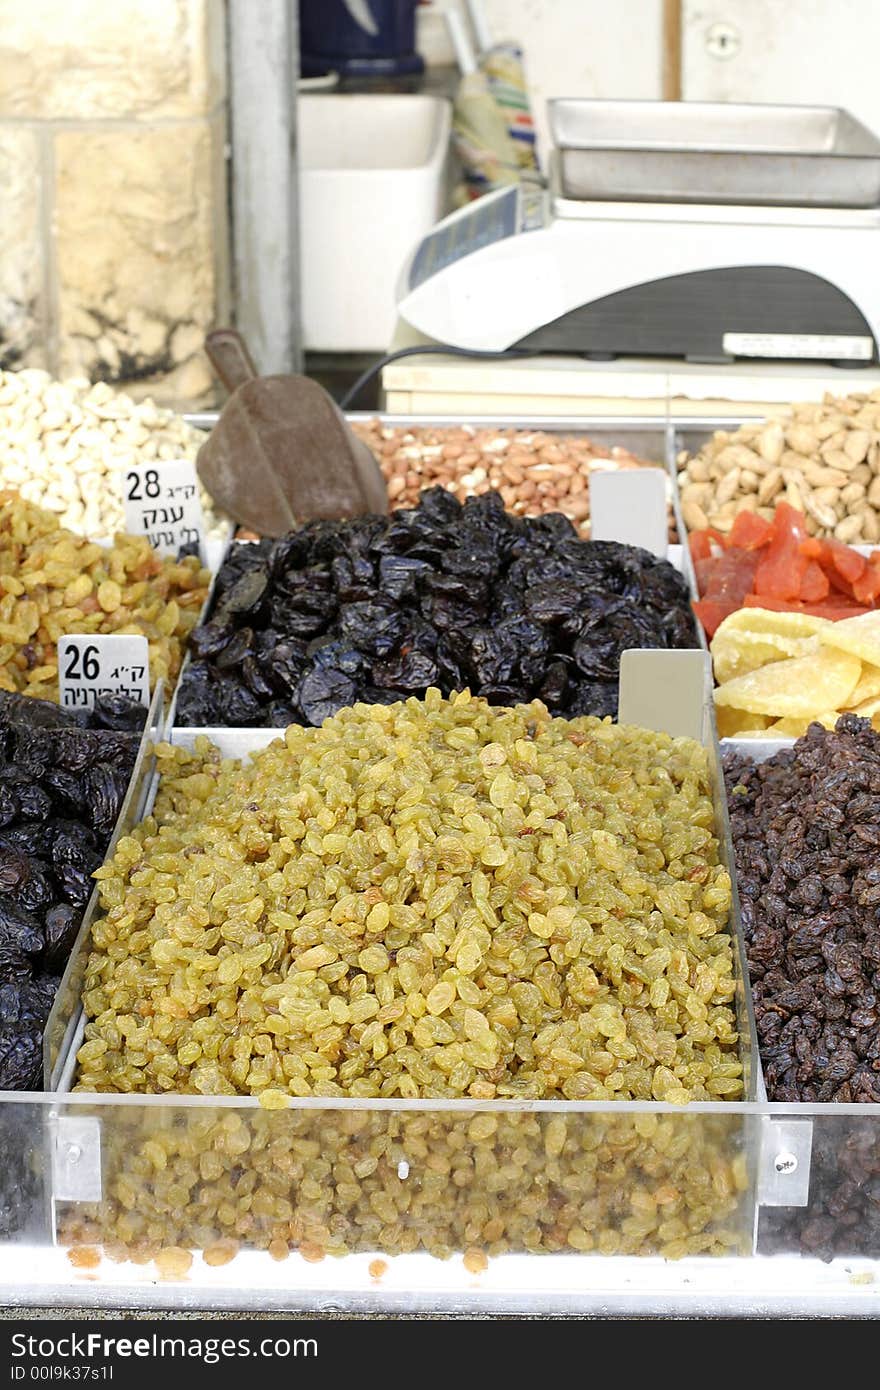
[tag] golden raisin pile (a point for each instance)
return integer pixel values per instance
(53, 582)
(436, 898)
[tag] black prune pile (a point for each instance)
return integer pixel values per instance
(443, 594)
(61, 789)
(806, 831)
(116, 712)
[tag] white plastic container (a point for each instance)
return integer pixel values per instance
(373, 181)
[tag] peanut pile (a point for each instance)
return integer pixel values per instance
(535, 471)
(824, 460)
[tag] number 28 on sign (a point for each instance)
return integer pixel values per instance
(162, 503)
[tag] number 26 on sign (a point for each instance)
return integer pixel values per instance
(92, 666)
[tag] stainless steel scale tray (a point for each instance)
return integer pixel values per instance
(715, 152)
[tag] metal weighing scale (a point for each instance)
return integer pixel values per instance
(751, 232)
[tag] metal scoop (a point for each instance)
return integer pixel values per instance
(282, 452)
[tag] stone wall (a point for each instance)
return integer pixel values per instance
(113, 211)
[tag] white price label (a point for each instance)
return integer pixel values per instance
(162, 503)
(92, 665)
(843, 347)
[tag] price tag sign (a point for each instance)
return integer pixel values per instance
(631, 507)
(91, 665)
(162, 503)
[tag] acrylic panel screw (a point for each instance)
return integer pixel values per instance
(785, 1163)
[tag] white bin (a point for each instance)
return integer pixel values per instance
(373, 181)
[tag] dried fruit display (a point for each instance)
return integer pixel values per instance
(535, 471)
(62, 783)
(806, 828)
(379, 608)
(436, 898)
(53, 582)
(824, 460)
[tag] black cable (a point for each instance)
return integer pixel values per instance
(430, 349)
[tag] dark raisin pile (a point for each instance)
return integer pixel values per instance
(843, 1213)
(442, 594)
(806, 831)
(61, 790)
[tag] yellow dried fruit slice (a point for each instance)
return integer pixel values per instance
(868, 686)
(866, 709)
(764, 620)
(737, 653)
(860, 635)
(732, 723)
(800, 686)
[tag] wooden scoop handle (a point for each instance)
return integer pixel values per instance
(230, 358)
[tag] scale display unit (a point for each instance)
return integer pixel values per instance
(689, 275)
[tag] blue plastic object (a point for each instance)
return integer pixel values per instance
(359, 38)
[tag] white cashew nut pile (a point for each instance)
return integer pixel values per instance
(64, 445)
(824, 460)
